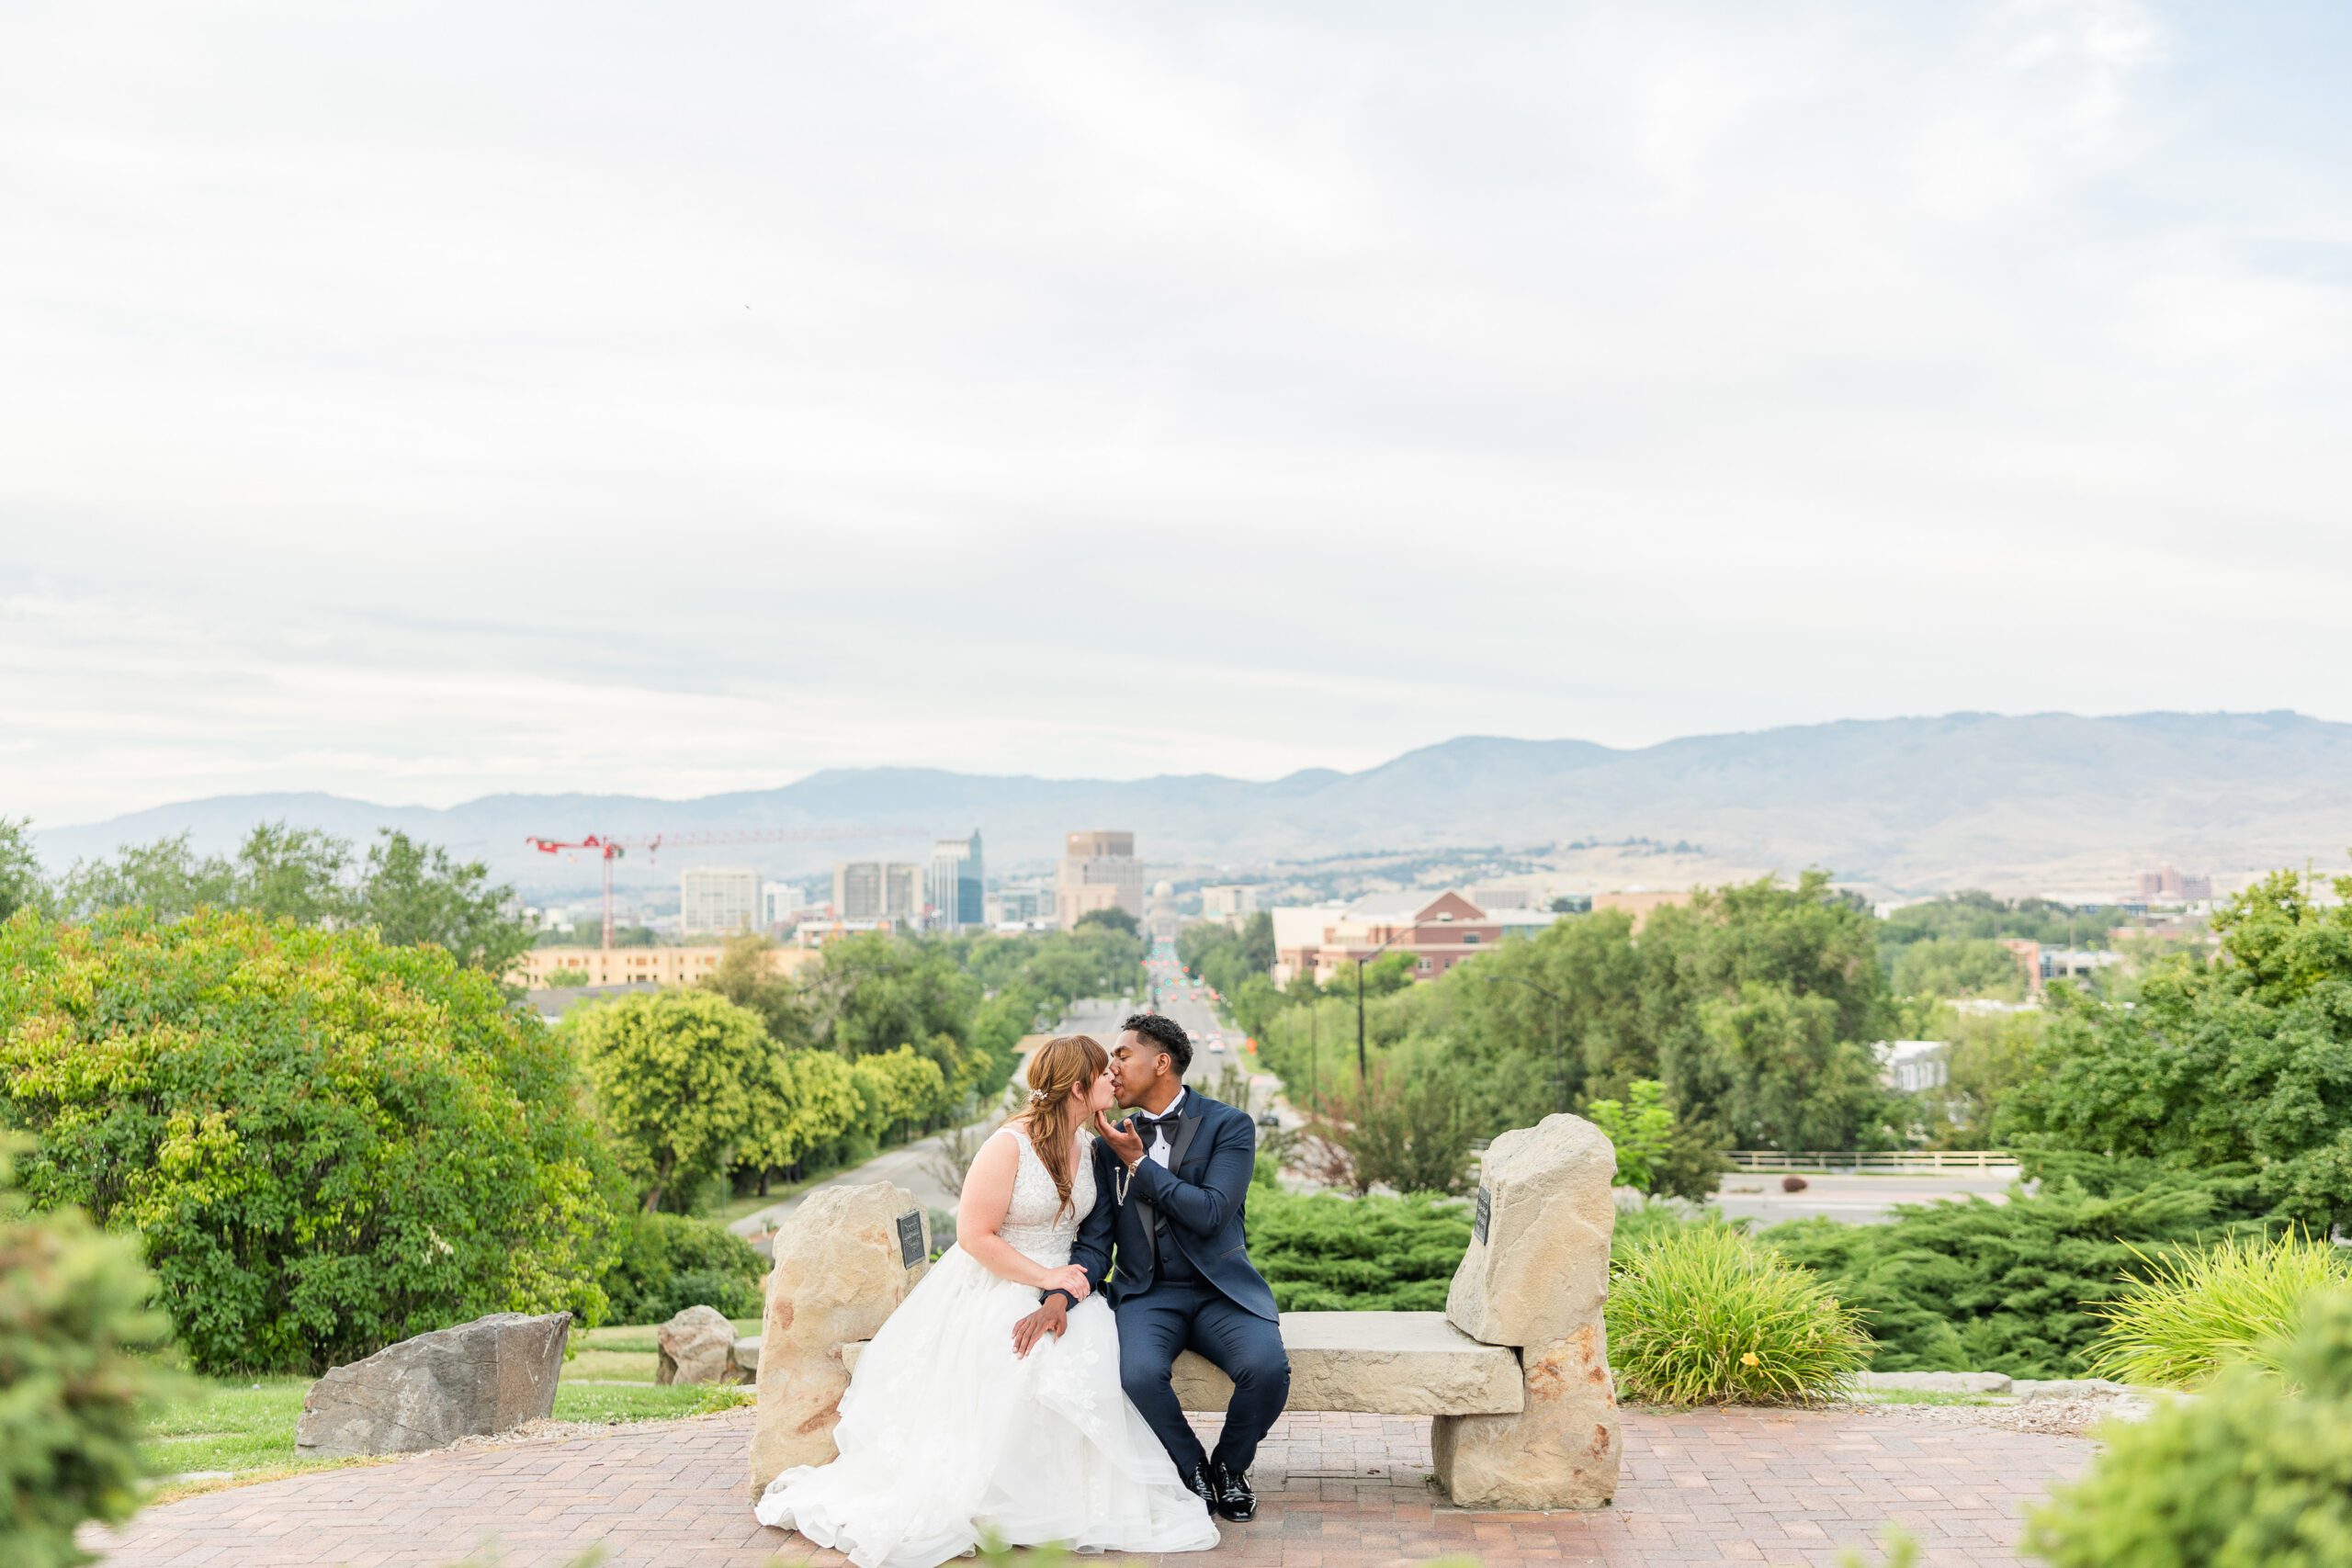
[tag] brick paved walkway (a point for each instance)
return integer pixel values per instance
(1337, 1492)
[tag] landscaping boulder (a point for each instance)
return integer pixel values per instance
(696, 1345)
(491, 1375)
(844, 1260)
(1535, 1278)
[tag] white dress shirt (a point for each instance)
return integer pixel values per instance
(1164, 1141)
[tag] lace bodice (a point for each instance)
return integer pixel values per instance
(1037, 1224)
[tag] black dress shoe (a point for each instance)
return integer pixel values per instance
(1199, 1482)
(1234, 1500)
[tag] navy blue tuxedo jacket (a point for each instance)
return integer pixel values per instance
(1203, 1193)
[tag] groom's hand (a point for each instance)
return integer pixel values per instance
(1051, 1317)
(1127, 1146)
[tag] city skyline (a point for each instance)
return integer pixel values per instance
(1258, 390)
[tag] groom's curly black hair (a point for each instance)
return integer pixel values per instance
(1166, 1033)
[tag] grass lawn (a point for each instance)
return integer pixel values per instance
(244, 1426)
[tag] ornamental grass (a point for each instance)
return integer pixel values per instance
(2197, 1312)
(1704, 1315)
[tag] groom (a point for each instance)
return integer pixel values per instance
(1170, 1184)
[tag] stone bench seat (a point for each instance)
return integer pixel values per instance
(1372, 1363)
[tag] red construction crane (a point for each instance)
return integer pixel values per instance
(610, 847)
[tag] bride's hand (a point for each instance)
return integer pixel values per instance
(1070, 1277)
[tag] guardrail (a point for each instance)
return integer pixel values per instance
(1871, 1160)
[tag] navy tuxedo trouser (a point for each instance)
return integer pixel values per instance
(1187, 1315)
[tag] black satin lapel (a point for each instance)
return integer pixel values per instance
(1185, 1127)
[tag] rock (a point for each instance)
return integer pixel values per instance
(746, 1357)
(840, 1269)
(696, 1345)
(1561, 1451)
(1935, 1382)
(1543, 1271)
(1397, 1363)
(490, 1375)
(1537, 1281)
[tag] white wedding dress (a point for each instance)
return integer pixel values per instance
(947, 1437)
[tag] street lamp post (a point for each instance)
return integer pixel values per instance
(1362, 1071)
(1559, 1004)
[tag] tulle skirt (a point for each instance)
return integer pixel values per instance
(948, 1439)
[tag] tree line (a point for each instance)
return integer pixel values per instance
(328, 1129)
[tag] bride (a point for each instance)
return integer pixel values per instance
(947, 1437)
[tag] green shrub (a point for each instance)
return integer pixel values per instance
(2199, 1309)
(76, 1383)
(2251, 1474)
(324, 1144)
(1977, 1286)
(1702, 1314)
(1322, 1252)
(669, 1262)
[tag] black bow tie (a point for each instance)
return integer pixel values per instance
(1149, 1124)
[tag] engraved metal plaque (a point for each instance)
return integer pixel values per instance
(1485, 1212)
(910, 1249)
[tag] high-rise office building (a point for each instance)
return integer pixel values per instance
(1099, 871)
(955, 883)
(779, 903)
(722, 900)
(878, 890)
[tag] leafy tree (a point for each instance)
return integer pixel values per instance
(559, 978)
(1986, 1057)
(78, 1343)
(676, 1075)
(1977, 916)
(746, 977)
(410, 891)
(166, 878)
(1641, 1127)
(666, 1263)
(1114, 919)
(20, 879)
(876, 993)
(294, 874)
(899, 1088)
(1225, 957)
(1959, 966)
(324, 1143)
(1402, 1132)
(808, 1107)
(1779, 1078)
(2246, 1058)
(415, 892)
(1976, 1286)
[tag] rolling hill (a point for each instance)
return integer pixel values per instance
(1964, 799)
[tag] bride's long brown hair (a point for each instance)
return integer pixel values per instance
(1062, 1064)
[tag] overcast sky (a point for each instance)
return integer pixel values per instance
(417, 401)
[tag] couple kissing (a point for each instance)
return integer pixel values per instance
(1021, 1393)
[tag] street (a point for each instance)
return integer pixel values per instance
(1853, 1198)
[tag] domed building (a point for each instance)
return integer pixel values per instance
(1159, 912)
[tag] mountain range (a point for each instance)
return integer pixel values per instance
(1965, 799)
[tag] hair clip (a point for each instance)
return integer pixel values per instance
(1038, 1097)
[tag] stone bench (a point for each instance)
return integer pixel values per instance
(1377, 1363)
(1513, 1374)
